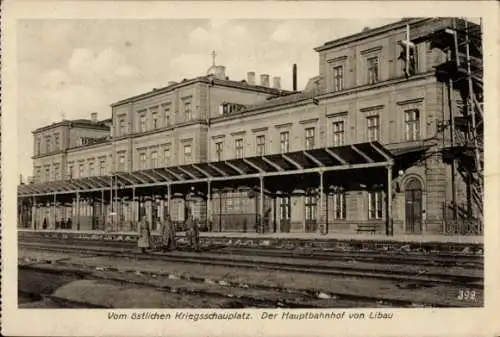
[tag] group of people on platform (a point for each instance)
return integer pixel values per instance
(168, 234)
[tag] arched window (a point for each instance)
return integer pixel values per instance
(413, 184)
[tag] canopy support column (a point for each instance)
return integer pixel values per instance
(389, 227)
(273, 205)
(322, 226)
(78, 211)
(134, 217)
(209, 205)
(169, 198)
(33, 214)
(55, 211)
(261, 202)
(102, 220)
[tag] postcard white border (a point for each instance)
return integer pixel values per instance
(85, 322)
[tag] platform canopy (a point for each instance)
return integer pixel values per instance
(355, 156)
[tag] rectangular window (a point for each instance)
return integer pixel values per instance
(219, 151)
(166, 114)
(373, 125)
(187, 111)
(238, 148)
(375, 204)
(121, 127)
(102, 168)
(412, 125)
(142, 123)
(70, 172)
(339, 206)
(154, 159)
(142, 161)
(47, 174)
(38, 174)
(310, 205)
(338, 78)
(261, 145)
(57, 145)
(56, 172)
(47, 144)
(121, 163)
(285, 212)
(372, 68)
(91, 169)
(38, 146)
(187, 154)
(285, 142)
(156, 123)
(338, 133)
(81, 170)
(309, 138)
(166, 156)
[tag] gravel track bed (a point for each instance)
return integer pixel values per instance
(267, 279)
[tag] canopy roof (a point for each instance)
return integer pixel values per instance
(363, 155)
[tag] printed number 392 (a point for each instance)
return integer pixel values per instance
(466, 295)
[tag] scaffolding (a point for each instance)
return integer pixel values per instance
(462, 73)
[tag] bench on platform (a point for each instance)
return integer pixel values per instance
(367, 227)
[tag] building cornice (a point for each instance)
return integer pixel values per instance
(337, 114)
(370, 33)
(238, 133)
(309, 121)
(337, 59)
(372, 108)
(411, 101)
(47, 154)
(262, 129)
(283, 126)
(205, 80)
(72, 124)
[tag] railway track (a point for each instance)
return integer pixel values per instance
(392, 257)
(239, 295)
(468, 278)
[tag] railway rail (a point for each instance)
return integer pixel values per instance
(399, 257)
(240, 295)
(471, 278)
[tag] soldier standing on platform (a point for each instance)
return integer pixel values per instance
(192, 231)
(144, 241)
(168, 234)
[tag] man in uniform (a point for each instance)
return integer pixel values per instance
(144, 241)
(192, 231)
(168, 234)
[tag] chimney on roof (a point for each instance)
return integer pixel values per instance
(294, 77)
(220, 72)
(277, 82)
(251, 77)
(264, 80)
(93, 117)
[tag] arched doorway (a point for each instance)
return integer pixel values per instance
(413, 206)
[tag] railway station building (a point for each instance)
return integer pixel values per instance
(359, 149)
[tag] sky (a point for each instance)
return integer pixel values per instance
(70, 68)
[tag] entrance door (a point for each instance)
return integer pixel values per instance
(285, 214)
(413, 206)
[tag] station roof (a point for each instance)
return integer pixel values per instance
(356, 156)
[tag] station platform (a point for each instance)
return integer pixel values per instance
(437, 243)
(423, 238)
